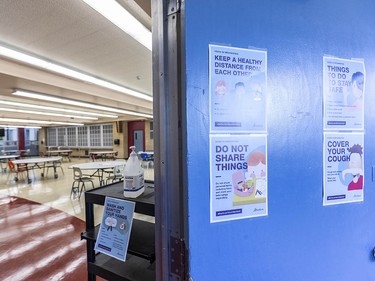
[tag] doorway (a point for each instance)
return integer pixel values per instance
(138, 140)
(136, 135)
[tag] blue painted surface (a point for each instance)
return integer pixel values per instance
(300, 239)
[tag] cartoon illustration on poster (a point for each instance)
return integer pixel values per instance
(344, 88)
(238, 87)
(114, 231)
(238, 187)
(343, 168)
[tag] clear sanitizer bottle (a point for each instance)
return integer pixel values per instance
(134, 184)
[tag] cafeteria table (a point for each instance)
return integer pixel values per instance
(60, 152)
(6, 158)
(13, 151)
(98, 168)
(37, 163)
(102, 154)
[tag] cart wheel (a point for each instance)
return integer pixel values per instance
(56, 176)
(15, 178)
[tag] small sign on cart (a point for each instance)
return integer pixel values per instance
(114, 232)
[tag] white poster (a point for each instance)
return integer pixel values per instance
(344, 89)
(238, 87)
(343, 168)
(238, 172)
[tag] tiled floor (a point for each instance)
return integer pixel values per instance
(55, 192)
(38, 242)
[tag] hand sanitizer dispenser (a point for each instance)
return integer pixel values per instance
(133, 176)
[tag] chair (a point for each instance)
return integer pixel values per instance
(117, 174)
(114, 156)
(5, 162)
(22, 168)
(67, 155)
(79, 181)
(94, 156)
(25, 153)
(55, 164)
(146, 159)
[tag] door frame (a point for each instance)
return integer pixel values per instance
(169, 91)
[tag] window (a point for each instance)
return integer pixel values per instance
(82, 136)
(27, 137)
(107, 135)
(152, 130)
(51, 137)
(61, 136)
(10, 140)
(95, 136)
(100, 135)
(27, 134)
(72, 136)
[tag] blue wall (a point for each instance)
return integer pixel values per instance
(300, 239)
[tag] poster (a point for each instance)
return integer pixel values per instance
(238, 172)
(344, 89)
(343, 168)
(238, 87)
(114, 231)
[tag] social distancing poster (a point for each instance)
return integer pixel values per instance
(114, 232)
(238, 176)
(344, 89)
(343, 167)
(238, 87)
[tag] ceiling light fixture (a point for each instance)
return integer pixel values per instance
(120, 17)
(27, 94)
(56, 109)
(65, 123)
(12, 54)
(13, 127)
(46, 113)
(38, 122)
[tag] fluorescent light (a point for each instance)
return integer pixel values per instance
(23, 121)
(12, 54)
(70, 72)
(46, 113)
(56, 109)
(23, 57)
(27, 94)
(66, 123)
(27, 127)
(38, 122)
(120, 17)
